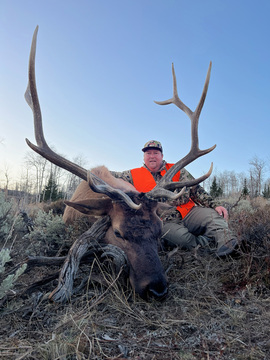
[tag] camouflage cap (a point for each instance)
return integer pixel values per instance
(152, 144)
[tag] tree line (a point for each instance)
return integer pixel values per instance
(230, 183)
(42, 181)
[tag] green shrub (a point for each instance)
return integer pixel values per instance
(48, 230)
(8, 282)
(10, 219)
(6, 217)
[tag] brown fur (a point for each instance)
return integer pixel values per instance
(136, 232)
(85, 194)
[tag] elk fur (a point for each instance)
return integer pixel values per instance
(84, 193)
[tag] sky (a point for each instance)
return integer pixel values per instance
(100, 64)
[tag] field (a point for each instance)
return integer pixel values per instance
(216, 308)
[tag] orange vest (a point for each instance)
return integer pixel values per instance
(144, 181)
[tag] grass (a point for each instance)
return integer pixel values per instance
(216, 309)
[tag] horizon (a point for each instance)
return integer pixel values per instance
(109, 62)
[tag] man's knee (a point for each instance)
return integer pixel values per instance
(178, 234)
(200, 219)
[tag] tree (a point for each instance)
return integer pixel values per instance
(256, 175)
(72, 181)
(42, 170)
(38, 163)
(266, 191)
(215, 189)
(50, 192)
(6, 173)
(245, 191)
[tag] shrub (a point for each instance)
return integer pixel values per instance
(48, 233)
(244, 205)
(6, 217)
(8, 282)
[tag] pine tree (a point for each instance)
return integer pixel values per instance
(215, 190)
(245, 191)
(50, 192)
(266, 192)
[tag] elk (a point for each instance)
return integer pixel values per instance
(135, 226)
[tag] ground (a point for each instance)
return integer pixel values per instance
(216, 308)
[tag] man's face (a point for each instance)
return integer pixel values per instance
(153, 159)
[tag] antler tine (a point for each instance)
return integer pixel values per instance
(175, 99)
(194, 152)
(113, 193)
(179, 185)
(42, 148)
(166, 190)
(31, 97)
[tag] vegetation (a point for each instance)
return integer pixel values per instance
(51, 192)
(9, 223)
(215, 190)
(42, 181)
(8, 282)
(6, 217)
(245, 191)
(216, 309)
(266, 191)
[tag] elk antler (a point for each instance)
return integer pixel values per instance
(194, 153)
(42, 148)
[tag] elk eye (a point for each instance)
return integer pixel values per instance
(117, 234)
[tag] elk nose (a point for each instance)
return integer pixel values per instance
(158, 292)
(154, 290)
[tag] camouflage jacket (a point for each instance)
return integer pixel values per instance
(196, 193)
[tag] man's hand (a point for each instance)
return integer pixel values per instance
(222, 212)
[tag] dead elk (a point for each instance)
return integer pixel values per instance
(135, 226)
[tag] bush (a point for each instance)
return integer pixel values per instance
(6, 217)
(9, 281)
(48, 233)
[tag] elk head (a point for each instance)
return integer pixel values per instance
(135, 225)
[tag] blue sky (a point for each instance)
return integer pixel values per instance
(101, 64)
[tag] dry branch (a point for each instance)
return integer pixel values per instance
(68, 272)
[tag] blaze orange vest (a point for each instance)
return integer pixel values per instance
(144, 181)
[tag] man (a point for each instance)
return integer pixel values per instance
(195, 220)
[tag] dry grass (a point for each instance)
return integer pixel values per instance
(216, 309)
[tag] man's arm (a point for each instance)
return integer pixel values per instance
(197, 192)
(200, 196)
(124, 175)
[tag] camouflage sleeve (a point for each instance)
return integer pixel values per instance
(200, 196)
(125, 175)
(197, 193)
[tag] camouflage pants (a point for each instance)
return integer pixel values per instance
(201, 226)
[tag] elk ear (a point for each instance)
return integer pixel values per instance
(92, 206)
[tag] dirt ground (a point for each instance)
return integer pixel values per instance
(216, 308)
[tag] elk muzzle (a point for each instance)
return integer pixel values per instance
(147, 276)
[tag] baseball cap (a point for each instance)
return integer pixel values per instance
(152, 144)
